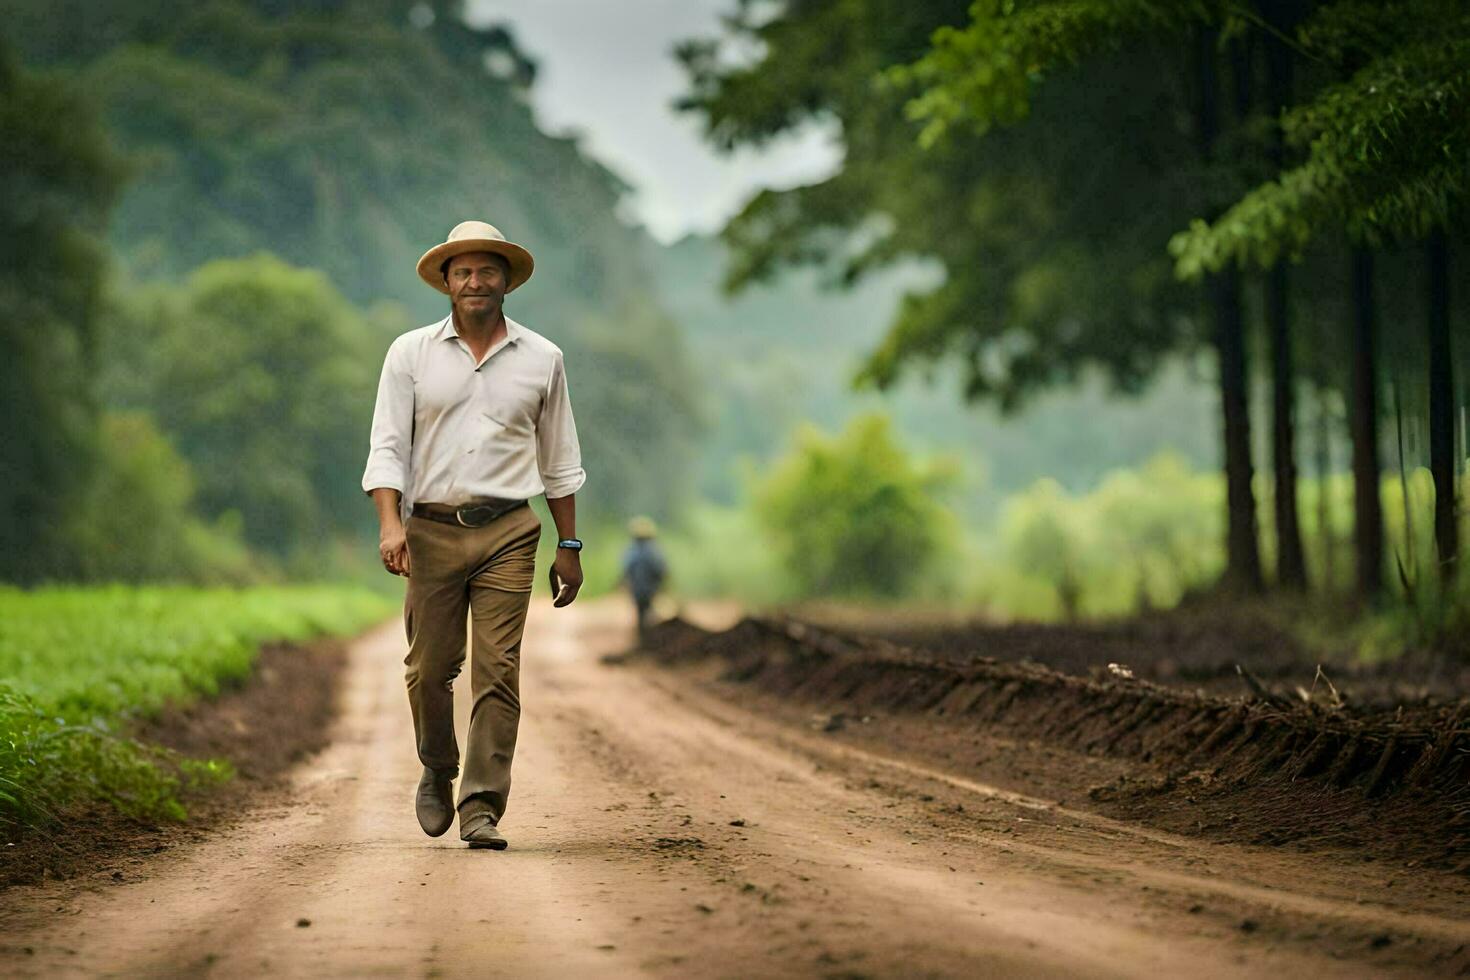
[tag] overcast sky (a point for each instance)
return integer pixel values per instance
(605, 70)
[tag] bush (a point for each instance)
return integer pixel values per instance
(1143, 538)
(853, 515)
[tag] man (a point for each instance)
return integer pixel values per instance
(644, 568)
(472, 420)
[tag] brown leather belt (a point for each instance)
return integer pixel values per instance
(475, 514)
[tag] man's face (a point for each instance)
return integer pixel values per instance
(477, 282)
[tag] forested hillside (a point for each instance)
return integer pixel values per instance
(344, 136)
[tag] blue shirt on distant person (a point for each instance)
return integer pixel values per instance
(644, 568)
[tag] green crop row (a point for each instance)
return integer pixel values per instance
(77, 664)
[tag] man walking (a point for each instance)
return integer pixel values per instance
(472, 420)
(644, 568)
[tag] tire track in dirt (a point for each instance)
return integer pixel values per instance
(1079, 839)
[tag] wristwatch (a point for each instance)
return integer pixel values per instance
(571, 544)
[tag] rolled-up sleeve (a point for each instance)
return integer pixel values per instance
(558, 454)
(392, 432)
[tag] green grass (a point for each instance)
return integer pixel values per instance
(78, 664)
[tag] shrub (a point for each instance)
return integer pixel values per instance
(852, 514)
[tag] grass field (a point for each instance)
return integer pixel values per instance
(78, 664)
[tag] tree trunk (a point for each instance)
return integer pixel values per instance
(1324, 500)
(1363, 421)
(1243, 560)
(1243, 564)
(1291, 563)
(1442, 406)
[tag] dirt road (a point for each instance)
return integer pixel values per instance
(657, 830)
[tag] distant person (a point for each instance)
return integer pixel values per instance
(644, 567)
(472, 420)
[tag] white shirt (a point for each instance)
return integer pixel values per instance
(447, 429)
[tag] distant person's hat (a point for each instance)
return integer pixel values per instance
(475, 236)
(642, 527)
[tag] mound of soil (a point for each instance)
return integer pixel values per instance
(1265, 769)
(1196, 647)
(280, 714)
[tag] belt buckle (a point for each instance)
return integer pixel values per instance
(460, 512)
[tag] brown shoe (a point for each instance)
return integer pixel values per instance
(434, 801)
(479, 831)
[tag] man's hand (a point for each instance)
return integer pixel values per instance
(566, 576)
(393, 549)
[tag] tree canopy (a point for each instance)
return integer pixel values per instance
(1029, 298)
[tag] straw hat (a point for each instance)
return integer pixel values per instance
(642, 527)
(475, 236)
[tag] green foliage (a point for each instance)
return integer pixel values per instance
(136, 522)
(1142, 538)
(60, 178)
(784, 352)
(982, 74)
(1051, 267)
(638, 413)
(48, 765)
(1385, 148)
(852, 514)
(1147, 537)
(79, 663)
(261, 374)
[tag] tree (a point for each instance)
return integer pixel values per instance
(136, 520)
(60, 179)
(1387, 156)
(1386, 148)
(1363, 423)
(1030, 298)
(1385, 144)
(1442, 405)
(1051, 233)
(1242, 541)
(853, 514)
(256, 370)
(1291, 559)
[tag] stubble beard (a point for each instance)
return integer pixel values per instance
(482, 316)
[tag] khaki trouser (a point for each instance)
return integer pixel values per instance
(485, 573)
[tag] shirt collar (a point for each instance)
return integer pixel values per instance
(446, 331)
